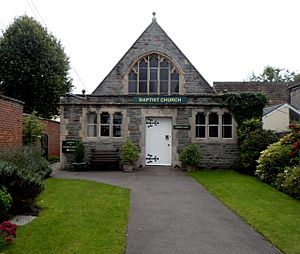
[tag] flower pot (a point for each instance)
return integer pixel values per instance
(128, 168)
(79, 166)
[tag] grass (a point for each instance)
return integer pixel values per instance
(78, 216)
(272, 213)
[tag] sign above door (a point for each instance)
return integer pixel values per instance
(160, 100)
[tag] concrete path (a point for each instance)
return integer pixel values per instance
(172, 214)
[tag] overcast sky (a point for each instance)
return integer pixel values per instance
(224, 40)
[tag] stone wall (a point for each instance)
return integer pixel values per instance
(11, 122)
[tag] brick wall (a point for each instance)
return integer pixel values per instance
(53, 131)
(11, 121)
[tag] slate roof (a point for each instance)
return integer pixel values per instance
(153, 39)
(276, 92)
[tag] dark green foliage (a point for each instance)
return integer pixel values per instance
(23, 186)
(251, 147)
(28, 158)
(33, 129)
(23, 172)
(129, 152)
(272, 161)
(33, 67)
(5, 203)
(289, 181)
(79, 152)
(273, 74)
(244, 106)
(248, 126)
(190, 155)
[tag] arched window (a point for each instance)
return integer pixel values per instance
(153, 74)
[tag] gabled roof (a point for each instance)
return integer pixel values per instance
(153, 39)
(276, 92)
(270, 110)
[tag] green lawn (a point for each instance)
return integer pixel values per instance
(272, 213)
(78, 217)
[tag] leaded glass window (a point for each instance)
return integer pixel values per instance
(200, 125)
(213, 125)
(104, 124)
(153, 74)
(226, 125)
(92, 124)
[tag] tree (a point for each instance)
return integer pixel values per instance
(33, 67)
(272, 74)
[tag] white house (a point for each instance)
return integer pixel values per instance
(278, 117)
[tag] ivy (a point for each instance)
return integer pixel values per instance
(244, 106)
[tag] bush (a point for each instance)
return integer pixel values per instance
(24, 186)
(129, 152)
(289, 181)
(22, 172)
(5, 203)
(248, 126)
(250, 148)
(7, 232)
(30, 159)
(79, 151)
(190, 155)
(272, 161)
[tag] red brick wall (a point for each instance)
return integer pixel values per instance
(11, 121)
(53, 131)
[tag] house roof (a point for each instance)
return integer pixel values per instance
(276, 92)
(271, 109)
(153, 39)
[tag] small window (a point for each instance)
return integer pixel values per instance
(117, 124)
(104, 124)
(226, 125)
(213, 125)
(92, 124)
(200, 125)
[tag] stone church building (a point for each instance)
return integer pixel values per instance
(157, 98)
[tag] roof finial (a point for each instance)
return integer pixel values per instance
(154, 18)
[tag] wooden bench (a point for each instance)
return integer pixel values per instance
(104, 159)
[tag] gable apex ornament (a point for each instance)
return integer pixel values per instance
(154, 18)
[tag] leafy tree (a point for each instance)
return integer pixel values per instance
(33, 67)
(33, 129)
(272, 74)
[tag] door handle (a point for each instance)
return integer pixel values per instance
(167, 137)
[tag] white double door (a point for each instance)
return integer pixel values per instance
(158, 141)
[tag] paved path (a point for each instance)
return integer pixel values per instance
(172, 214)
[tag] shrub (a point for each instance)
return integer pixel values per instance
(190, 155)
(289, 181)
(33, 128)
(5, 203)
(79, 151)
(7, 232)
(28, 158)
(250, 148)
(272, 161)
(129, 152)
(23, 185)
(53, 159)
(248, 126)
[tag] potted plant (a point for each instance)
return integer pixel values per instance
(79, 163)
(190, 157)
(129, 154)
